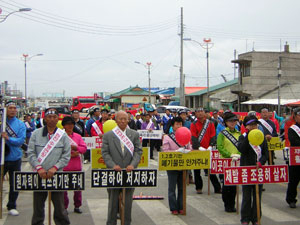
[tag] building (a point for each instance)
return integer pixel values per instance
(260, 74)
(130, 98)
(219, 96)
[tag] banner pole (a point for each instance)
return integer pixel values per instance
(184, 191)
(208, 181)
(257, 204)
(3, 120)
(237, 199)
(49, 207)
(270, 157)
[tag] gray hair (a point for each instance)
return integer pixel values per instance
(120, 112)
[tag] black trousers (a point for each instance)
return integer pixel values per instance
(199, 182)
(11, 167)
(152, 145)
(228, 194)
(294, 178)
(248, 210)
(60, 213)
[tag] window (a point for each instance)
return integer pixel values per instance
(87, 100)
(245, 70)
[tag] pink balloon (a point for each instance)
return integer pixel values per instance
(183, 135)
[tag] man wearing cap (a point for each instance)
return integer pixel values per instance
(183, 114)
(227, 143)
(79, 125)
(121, 149)
(46, 159)
(251, 156)
(214, 118)
(138, 121)
(39, 121)
(14, 136)
(294, 171)
(268, 127)
(203, 133)
(95, 115)
(166, 119)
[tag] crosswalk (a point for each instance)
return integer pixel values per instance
(201, 209)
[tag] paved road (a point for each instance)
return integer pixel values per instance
(201, 209)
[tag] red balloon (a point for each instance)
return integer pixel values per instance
(183, 135)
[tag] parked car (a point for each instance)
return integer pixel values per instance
(162, 109)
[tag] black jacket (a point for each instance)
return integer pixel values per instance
(82, 130)
(294, 137)
(248, 155)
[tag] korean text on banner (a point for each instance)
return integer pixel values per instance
(98, 161)
(275, 144)
(244, 175)
(184, 161)
(153, 134)
(218, 165)
(294, 156)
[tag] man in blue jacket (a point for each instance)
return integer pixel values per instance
(14, 135)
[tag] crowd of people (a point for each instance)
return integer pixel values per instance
(221, 130)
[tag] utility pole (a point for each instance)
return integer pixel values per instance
(234, 65)
(148, 67)
(181, 87)
(279, 76)
(207, 41)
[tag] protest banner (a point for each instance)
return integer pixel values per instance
(245, 175)
(92, 142)
(275, 144)
(294, 156)
(153, 134)
(61, 181)
(98, 161)
(215, 154)
(218, 165)
(184, 161)
(107, 178)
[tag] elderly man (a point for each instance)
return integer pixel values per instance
(14, 138)
(121, 152)
(46, 162)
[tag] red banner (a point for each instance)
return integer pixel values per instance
(251, 175)
(218, 165)
(294, 156)
(98, 142)
(215, 154)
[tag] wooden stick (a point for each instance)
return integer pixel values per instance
(257, 203)
(270, 158)
(49, 207)
(208, 182)
(184, 191)
(1, 190)
(237, 199)
(123, 207)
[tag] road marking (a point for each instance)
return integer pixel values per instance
(98, 209)
(159, 213)
(213, 209)
(153, 162)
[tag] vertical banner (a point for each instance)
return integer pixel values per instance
(294, 156)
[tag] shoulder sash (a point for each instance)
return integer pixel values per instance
(124, 139)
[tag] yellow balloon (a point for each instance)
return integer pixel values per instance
(109, 125)
(256, 137)
(59, 125)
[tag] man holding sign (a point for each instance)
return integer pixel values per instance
(294, 171)
(251, 155)
(14, 136)
(49, 151)
(121, 149)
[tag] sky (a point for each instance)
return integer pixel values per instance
(91, 46)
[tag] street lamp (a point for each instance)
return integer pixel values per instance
(4, 17)
(206, 45)
(26, 58)
(147, 66)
